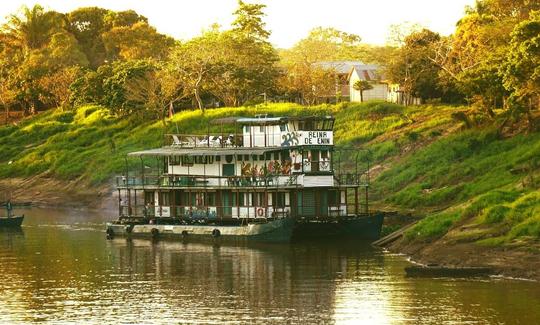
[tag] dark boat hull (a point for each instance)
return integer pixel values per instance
(11, 222)
(359, 227)
(442, 271)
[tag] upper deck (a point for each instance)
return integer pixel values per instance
(262, 131)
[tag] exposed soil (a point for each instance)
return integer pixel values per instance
(45, 192)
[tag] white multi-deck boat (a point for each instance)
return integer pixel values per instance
(263, 178)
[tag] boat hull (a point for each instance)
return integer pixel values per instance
(11, 222)
(279, 230)
(358, 227)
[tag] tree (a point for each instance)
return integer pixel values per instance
(412, 67)
(361, 86)
(324, 44)
(249, 21)
(521, 72)
(55, 86)
(33, 27)
(138, 41)
(309, 82)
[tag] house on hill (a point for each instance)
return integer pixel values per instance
(371, 74)
(342, 69)
(349, 72)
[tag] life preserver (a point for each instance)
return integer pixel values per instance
(216, 233)
(184, 233)
(260, 212)
(154, 232)
(128, 229)
(110, 232)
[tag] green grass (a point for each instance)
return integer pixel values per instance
(432, 227)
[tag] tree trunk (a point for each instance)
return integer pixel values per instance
(361, 96)
(198, 98)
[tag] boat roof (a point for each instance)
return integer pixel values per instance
(202, 151)
(269, 120)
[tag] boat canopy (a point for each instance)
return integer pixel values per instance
(269, 120)
(203, 151)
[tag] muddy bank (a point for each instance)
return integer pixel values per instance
(517, 261)
(49, 192)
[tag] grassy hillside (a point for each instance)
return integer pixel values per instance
(423, 160)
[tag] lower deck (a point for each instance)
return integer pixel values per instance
(219, 204)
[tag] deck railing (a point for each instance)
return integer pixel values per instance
(203, 141)
(196, 212)
(207, 181)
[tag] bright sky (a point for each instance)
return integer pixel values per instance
(288, 20)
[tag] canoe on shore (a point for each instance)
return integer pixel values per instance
(444, 271)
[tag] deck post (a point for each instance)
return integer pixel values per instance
(356, 201)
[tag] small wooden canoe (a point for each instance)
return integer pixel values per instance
(444, 271)
(14, 221)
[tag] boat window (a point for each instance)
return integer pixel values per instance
(239, 157)
(187, 161)
(283, 127)
(175, 160)
(164, 198)
(333, 197)
(280, 199)
(268, 155)
(241, 199)
(246, 157)
(218, 158)
(211, 199)
(149, 198)
(276, 155)
(261, 157)
(324, 154)
(229, 158)
(246, 128)
(261, 129)
(254, 157)
(228, 170)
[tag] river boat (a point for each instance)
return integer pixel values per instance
(260, 178)
(10, 220)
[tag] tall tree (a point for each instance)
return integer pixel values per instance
(33, 27)
(138, 41)
(521, 72)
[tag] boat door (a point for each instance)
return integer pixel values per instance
(315, 160)
(306, 203)
(322, 202)
(227, 203)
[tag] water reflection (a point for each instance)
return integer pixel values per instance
(60, 267)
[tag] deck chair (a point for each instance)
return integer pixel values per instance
(176, 141)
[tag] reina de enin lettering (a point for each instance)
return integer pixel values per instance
(317, 137)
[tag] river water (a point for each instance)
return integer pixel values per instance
(60, 268)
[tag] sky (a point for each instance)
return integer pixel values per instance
(288, 20)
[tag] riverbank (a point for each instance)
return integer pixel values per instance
(518, 261)
(49, 192)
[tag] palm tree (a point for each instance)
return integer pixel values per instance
(362, 85)
(33, 27)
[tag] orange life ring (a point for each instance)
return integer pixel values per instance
(260, 212)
